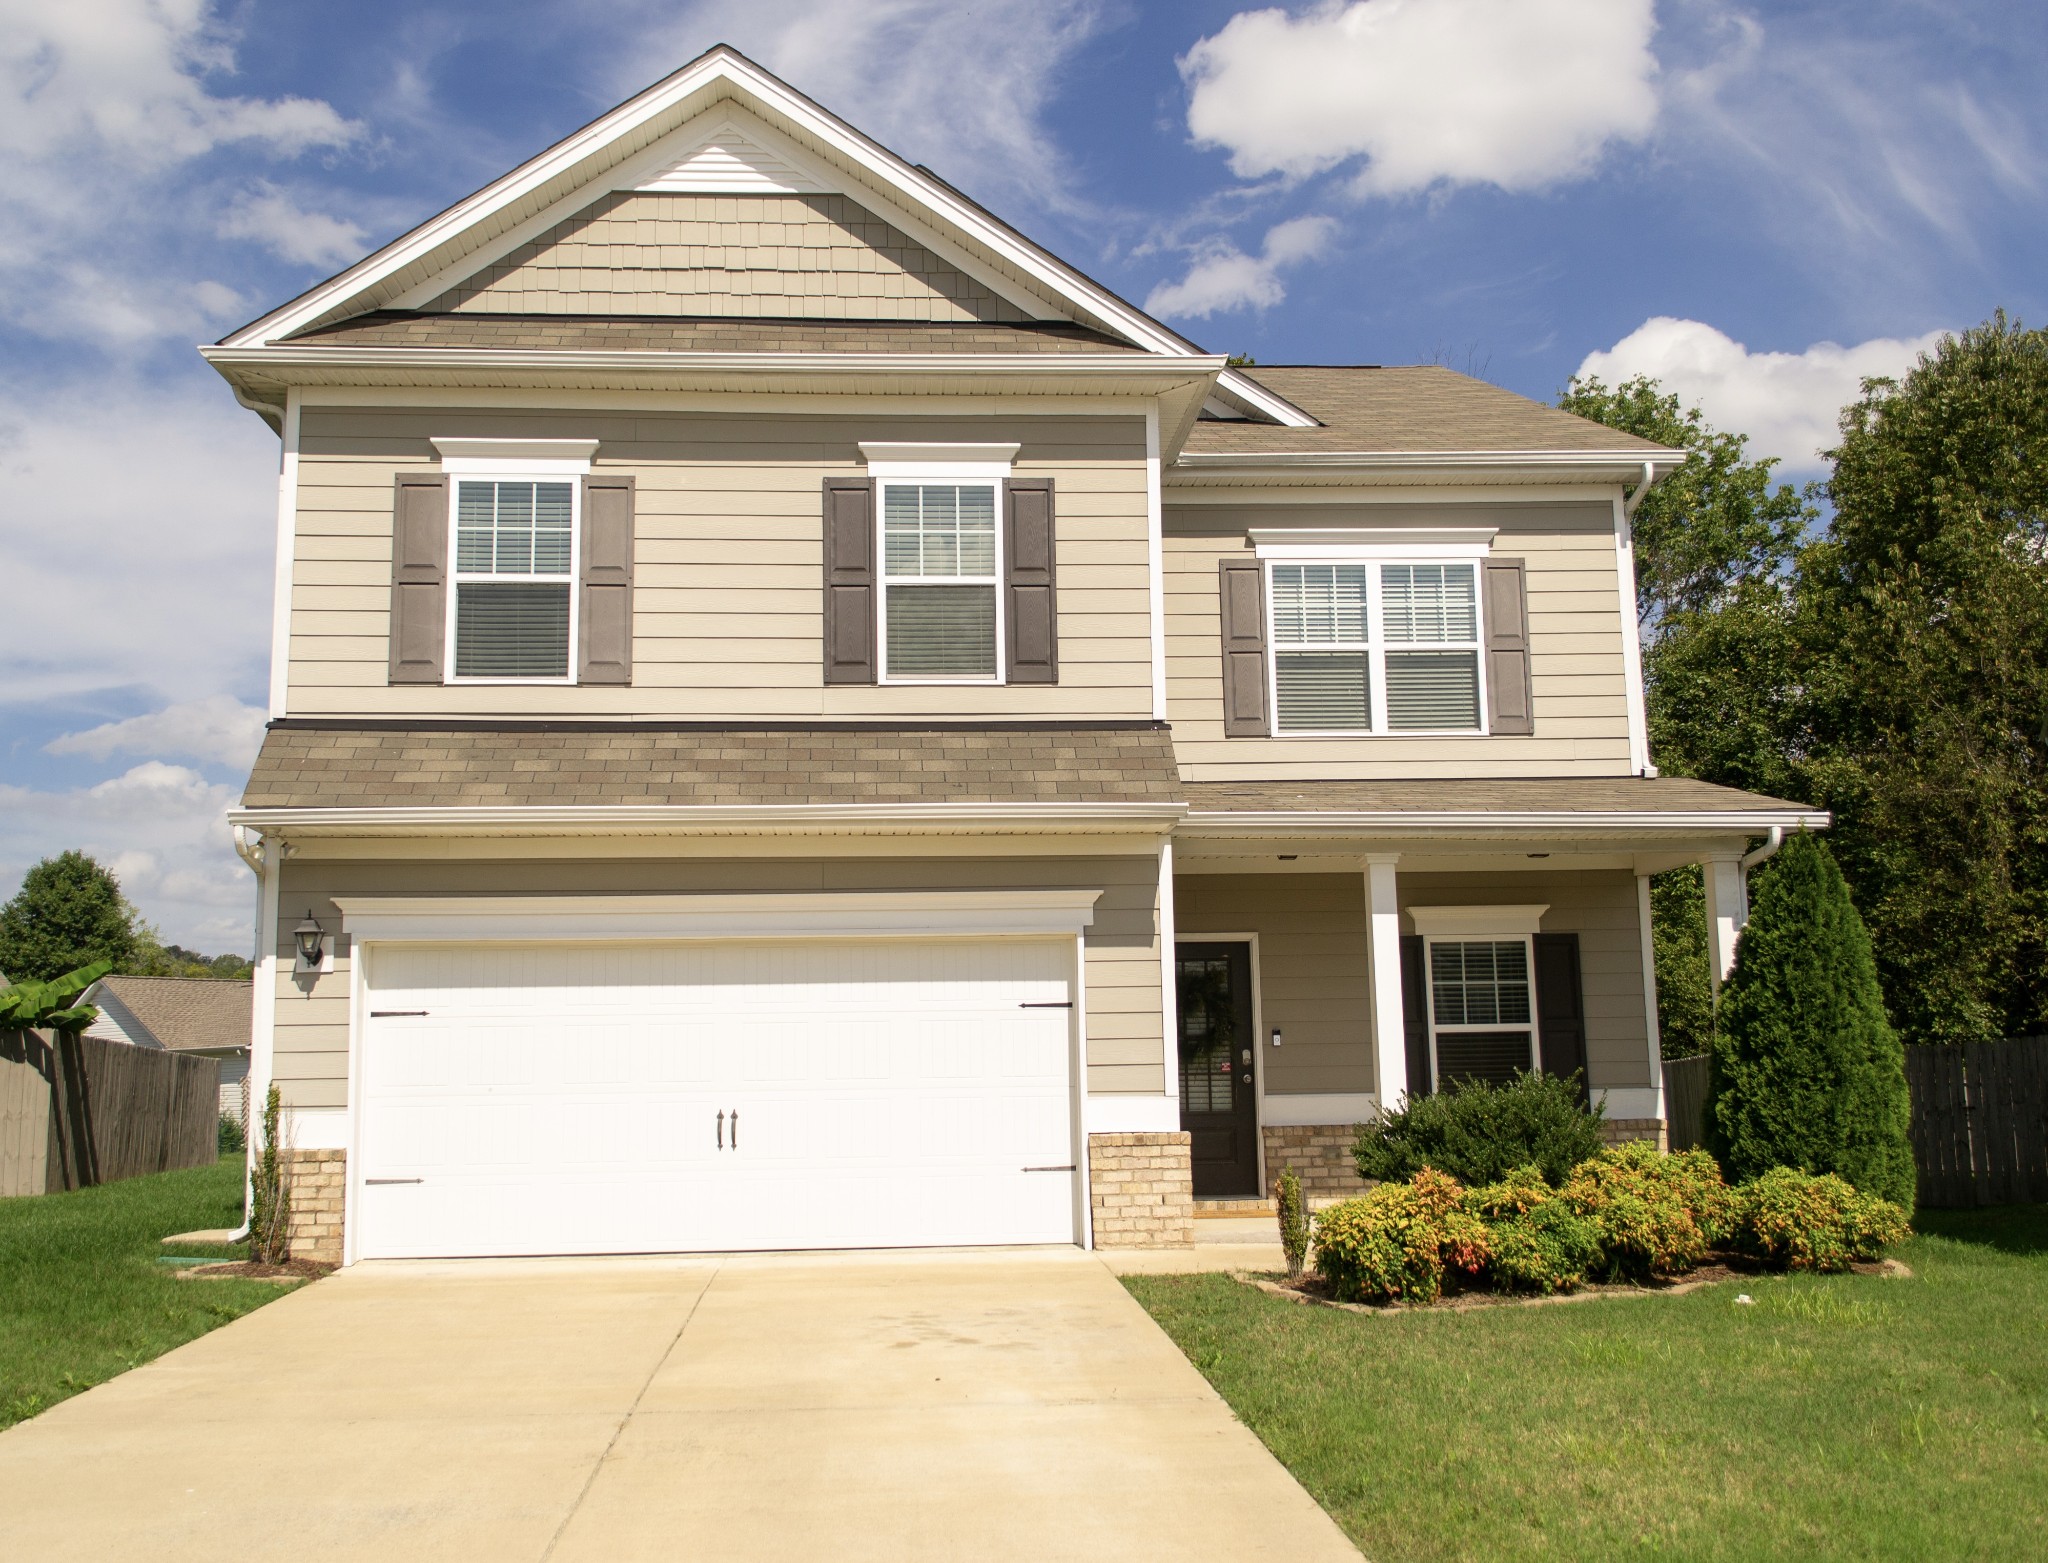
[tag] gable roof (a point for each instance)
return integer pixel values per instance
(183, 1014)
(763, 129)
(707, 334)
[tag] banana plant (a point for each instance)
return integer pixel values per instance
(48, 1004)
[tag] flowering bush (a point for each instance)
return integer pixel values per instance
(1396, 1242)
(1536, 1242)
(1804, 1221)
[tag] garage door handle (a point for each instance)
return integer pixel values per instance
(394, 1180)
(1060, 1004)
(1067, 1167)
(721, 1128)
(396, 1014)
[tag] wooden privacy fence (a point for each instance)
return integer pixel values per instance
(78, 1110)
(1980, 1122)
(1980, 1119)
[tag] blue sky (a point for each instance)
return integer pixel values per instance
(1758, 203)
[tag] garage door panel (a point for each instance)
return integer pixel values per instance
(565, 1098)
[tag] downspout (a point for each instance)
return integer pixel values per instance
(1629, 502)
(1761, 855)
(271, 413)
(252, 849)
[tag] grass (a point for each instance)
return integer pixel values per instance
(82, 1297)
(1836, 1417)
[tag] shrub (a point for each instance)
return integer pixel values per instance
(1803, 1221)
(1806, 1070)
(1396, 1242)
(1655, 1214)
(270, 1210)
(1535, 1241)
(231, 1137)
(1480, 1133)
(1293, 1213)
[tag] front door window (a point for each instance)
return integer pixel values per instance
(1217, 1100)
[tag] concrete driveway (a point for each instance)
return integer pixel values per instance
(985, 1405)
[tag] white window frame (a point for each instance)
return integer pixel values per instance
(948, 474)
(1477, 925)
(514, 461)
(1376, 645)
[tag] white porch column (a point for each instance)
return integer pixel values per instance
(1727, 911)
(1383, 943)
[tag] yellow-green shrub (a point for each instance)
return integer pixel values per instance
(1535, 1241)
(1396, 1242)
(1655, 1214)
(1805, 1221)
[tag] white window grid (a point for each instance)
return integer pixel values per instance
(457, 576)
(885, 579)
(1528, 1027)
(1376, 646)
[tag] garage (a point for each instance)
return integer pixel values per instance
(625, 1096)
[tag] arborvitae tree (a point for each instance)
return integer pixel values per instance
(1806, 1070)
(69, 913)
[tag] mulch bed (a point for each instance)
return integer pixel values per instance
(1313, 1290)
(291, 1271)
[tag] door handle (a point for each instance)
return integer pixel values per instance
(735, 1128)
(721, 1128)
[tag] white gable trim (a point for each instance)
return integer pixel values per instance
(725, 161)
(721, 74)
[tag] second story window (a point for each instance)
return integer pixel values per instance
(941, 609)
(1376, 648)
(515, 546)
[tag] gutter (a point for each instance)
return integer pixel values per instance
(754, 818)
(1285, 822)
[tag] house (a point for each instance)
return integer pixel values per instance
(801, 720)
(205, 1016)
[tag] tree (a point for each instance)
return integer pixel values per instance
(1807, 1071)
(69, 913)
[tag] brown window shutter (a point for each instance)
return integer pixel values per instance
(1506, 605)
(605, 636)
(1032, 652)
(419, 577)
(1243, 591)
(1415, 1016)
(850, 581)
(1561, 1008)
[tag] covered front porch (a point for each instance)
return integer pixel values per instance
(1342, 946)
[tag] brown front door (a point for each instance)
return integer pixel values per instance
(1216, 1046)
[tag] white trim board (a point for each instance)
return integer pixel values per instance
(1476, 922)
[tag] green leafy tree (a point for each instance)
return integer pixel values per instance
(1807, 1071)
(69, 913)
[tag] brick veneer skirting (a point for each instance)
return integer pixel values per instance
(1619, 1131)
(1317, 1153)
(1142, 1190)
(319, 1188)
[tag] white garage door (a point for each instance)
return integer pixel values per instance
(621, 1098)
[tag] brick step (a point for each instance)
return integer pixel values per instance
(1214, 1208)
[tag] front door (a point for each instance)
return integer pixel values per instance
(1216, 1044)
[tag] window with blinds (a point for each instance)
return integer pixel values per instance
(1482, 1021)
(940, 597)
(514, 575)
(1361, 648)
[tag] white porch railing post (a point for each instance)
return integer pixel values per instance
(1383, 943)
(1727, 911)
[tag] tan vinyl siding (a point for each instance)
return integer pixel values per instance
(1576, 628)
(1313, 974)
(728, 606)
(651, 253)
(1121, 948)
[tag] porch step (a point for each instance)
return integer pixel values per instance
(1238, 1208)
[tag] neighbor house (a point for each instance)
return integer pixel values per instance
(801, 720)
(208, 1017)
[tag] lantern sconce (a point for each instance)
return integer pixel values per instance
(311, 940)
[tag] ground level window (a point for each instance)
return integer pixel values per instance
(1482, 1022)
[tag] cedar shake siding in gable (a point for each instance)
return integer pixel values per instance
(1121, 946)
(727, 565)
(1578, 680)
(644, 253)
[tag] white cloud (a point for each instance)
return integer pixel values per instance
(218, 728)
(137, 532)
(1224, 278)
(960, 87)
(274, 220)
(161, 829)
(1516, 93)
(1787, 403)
(104, 105)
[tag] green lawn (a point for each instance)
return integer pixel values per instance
(82, 1297)
(1838, 1417)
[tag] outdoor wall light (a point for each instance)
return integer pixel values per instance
(1276, 1036)
(309, 937)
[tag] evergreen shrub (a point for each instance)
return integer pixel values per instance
(1480, 1133)
(1797, 1220)
(1656, 1214)
(1536, 1242)
(1394, 1243)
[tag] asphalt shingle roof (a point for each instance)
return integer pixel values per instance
(1515, 795)
(184, 1013)
(699, 334)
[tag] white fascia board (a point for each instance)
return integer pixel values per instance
(1388, 822)
(738, 818)
(1266, 463)
(716, 915)
(725, 73)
